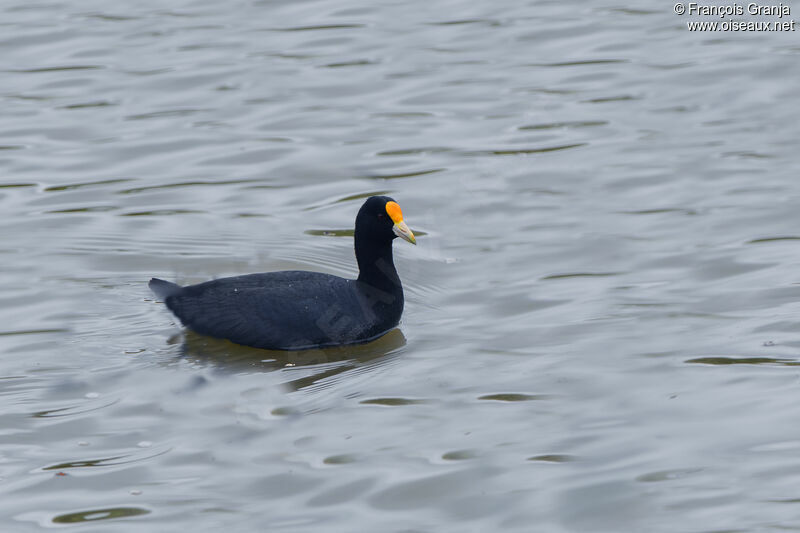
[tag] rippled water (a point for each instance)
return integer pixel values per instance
(602, 321)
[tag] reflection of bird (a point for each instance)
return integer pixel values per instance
(295, 309)
(304, 368)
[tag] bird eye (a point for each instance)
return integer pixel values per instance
(380, 215)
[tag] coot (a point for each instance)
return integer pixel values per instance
(296, 309)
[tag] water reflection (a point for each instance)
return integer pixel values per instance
(331, 361)
(115, 460)
(391, 402)
(743, 361)
(99, 514)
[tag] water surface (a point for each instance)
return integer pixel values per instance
(602, 314)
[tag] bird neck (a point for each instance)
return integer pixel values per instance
(376, 265)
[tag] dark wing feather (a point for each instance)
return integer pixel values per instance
(163, 289)
(278, 310)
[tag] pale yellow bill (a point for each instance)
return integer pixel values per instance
(400, 228)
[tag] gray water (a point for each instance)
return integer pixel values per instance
(602, 324)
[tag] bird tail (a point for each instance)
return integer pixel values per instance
(163, 289)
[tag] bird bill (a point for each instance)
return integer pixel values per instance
(401, 230)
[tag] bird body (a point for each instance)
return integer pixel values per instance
(294, 309)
